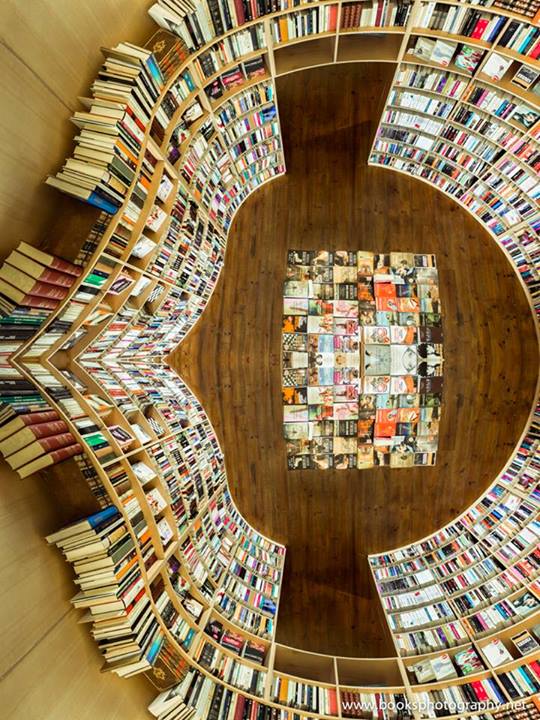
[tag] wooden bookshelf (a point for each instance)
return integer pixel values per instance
(229, 569)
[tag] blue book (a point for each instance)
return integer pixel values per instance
(101, 516)
(90, 523)
(154, 649)
(530, 35)
(101, 203)
(500, 22)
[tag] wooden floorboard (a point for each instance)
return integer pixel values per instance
(331, 199)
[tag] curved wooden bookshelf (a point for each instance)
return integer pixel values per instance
(212, 583)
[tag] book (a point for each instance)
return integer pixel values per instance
(49, 459)
(39, 447)
(143, 247)
(80, 526)
(525, 115)
(32, 432)
(468, 661)
(443, 52)
(165, 532)
(424, 48)
(22, 421)
(443, 667)
(155, 501)
(30, 285)
(496, 653)
(525, 604)
(424, 672)
(468, 58)
(156, 218)
(496, 66)
(525, 643)
(525, 77)
(51, 261)
(38, 271)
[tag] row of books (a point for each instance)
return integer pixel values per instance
(474, 660)
(508, 196)
(308, 22)
(198, 24)
(236, 76)
(529, 8)
(457, 20)
(379, 13)
(229, 49)
(458, 699)
(424, 78)
(487, 555)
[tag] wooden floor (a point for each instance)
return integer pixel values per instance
(330, 199)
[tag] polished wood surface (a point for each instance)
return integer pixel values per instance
(331, 199)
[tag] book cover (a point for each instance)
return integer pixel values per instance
(443, 52)
(496, 653)
(525, 643)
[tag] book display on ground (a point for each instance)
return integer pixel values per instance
(171, 579)
(362, 359)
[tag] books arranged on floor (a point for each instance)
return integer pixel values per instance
(362, 359)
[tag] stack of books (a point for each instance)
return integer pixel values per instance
(104, 165)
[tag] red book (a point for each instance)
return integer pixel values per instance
(135, 119)
(39, 447)
(535, 667)
(239, 10)
(52, 458)
(28, 434)
(535, 52)
(26, 299)
(39, 271)
(479, 28)
(332, 18)
(254, 9)
(479, 691)
(239, 709)
(378, 16)
(55, 263)
(332, 701)
(22, 421)
(27, 284)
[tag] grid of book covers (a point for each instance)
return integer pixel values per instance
(362, 359)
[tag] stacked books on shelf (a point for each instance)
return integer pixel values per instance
(477, 24)
(104, 168)
(104, 554)
(175, 582)
(529, 8)
(305, 696)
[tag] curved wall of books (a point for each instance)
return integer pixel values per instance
(174, 581)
